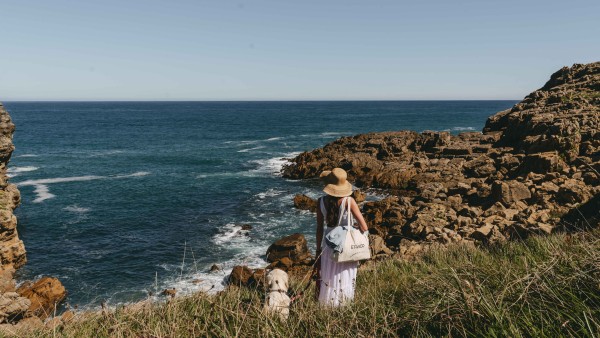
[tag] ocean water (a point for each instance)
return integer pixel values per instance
(124, 199)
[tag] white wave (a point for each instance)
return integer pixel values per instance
(269, 193)
(15, 171)
(105, 153)
(136, 174)
(60, 180)
(42, 190)
(27, 155)
(231, 233)
(43, 193)
(250, 149)
(460, 129)
(330, 133)
(327, 134)
(272, 166)
(76, 209)
(250, 142)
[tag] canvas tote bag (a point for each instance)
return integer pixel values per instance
(356, 245)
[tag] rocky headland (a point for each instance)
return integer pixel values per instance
(533, 169)
(28, 305)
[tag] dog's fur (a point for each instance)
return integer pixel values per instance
(277, 300)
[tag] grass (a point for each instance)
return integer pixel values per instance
(540, 287)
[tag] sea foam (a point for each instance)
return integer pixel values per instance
(42, 190)
(15, 171)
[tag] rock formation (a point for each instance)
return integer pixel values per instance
(530, 166)
(16, 304)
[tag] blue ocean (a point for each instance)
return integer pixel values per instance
(124, 199)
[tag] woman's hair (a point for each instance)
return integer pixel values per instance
(333, 210)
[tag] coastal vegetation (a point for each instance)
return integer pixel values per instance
(541, 286)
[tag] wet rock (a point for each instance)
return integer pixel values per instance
(246, 227)
(304, 202)
(45, 294)
(215, 268)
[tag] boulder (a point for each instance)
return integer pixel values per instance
(240, 275)
(293, 247)
(574, 191)
(304, 202)
(509, 192)
(45, 294)
(377, 245)
(543, 163)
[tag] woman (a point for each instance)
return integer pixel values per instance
(335, 281)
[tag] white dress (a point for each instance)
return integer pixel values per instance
(337, 279)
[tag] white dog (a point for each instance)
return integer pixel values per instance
(277, 299)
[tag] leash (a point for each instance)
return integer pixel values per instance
(311, 274)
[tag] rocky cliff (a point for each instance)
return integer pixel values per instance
(529, 168)
(23, 303)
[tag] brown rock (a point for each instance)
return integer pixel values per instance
(240, 275)
(378, 246)
(215, 268)
(304, 202)
(359, 196)
(543, 163)
(284, 264)
(509, 192)
(7, 283)
(293, 247)
(67, 316)
(44, 294)
(258, 278)
(483, 233)
(12, 306)
(573, 191)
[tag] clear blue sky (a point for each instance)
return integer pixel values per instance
(254, 50)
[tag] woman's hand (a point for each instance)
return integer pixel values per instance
(362, 225)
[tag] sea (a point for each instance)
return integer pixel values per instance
(121, 200)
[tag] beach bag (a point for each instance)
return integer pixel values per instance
(355, 246)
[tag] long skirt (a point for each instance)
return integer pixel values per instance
(337, 280)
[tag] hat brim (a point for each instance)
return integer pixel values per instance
(342, 190)
(325, 174)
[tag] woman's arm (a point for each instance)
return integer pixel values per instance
(362, 225)
(319, 226)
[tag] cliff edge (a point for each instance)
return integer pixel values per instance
(31, 302)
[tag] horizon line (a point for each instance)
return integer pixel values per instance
(256, 100)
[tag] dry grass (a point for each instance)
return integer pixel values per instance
(544, 286)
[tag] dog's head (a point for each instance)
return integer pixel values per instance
(277, 280)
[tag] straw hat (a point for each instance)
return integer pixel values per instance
(337, 182)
